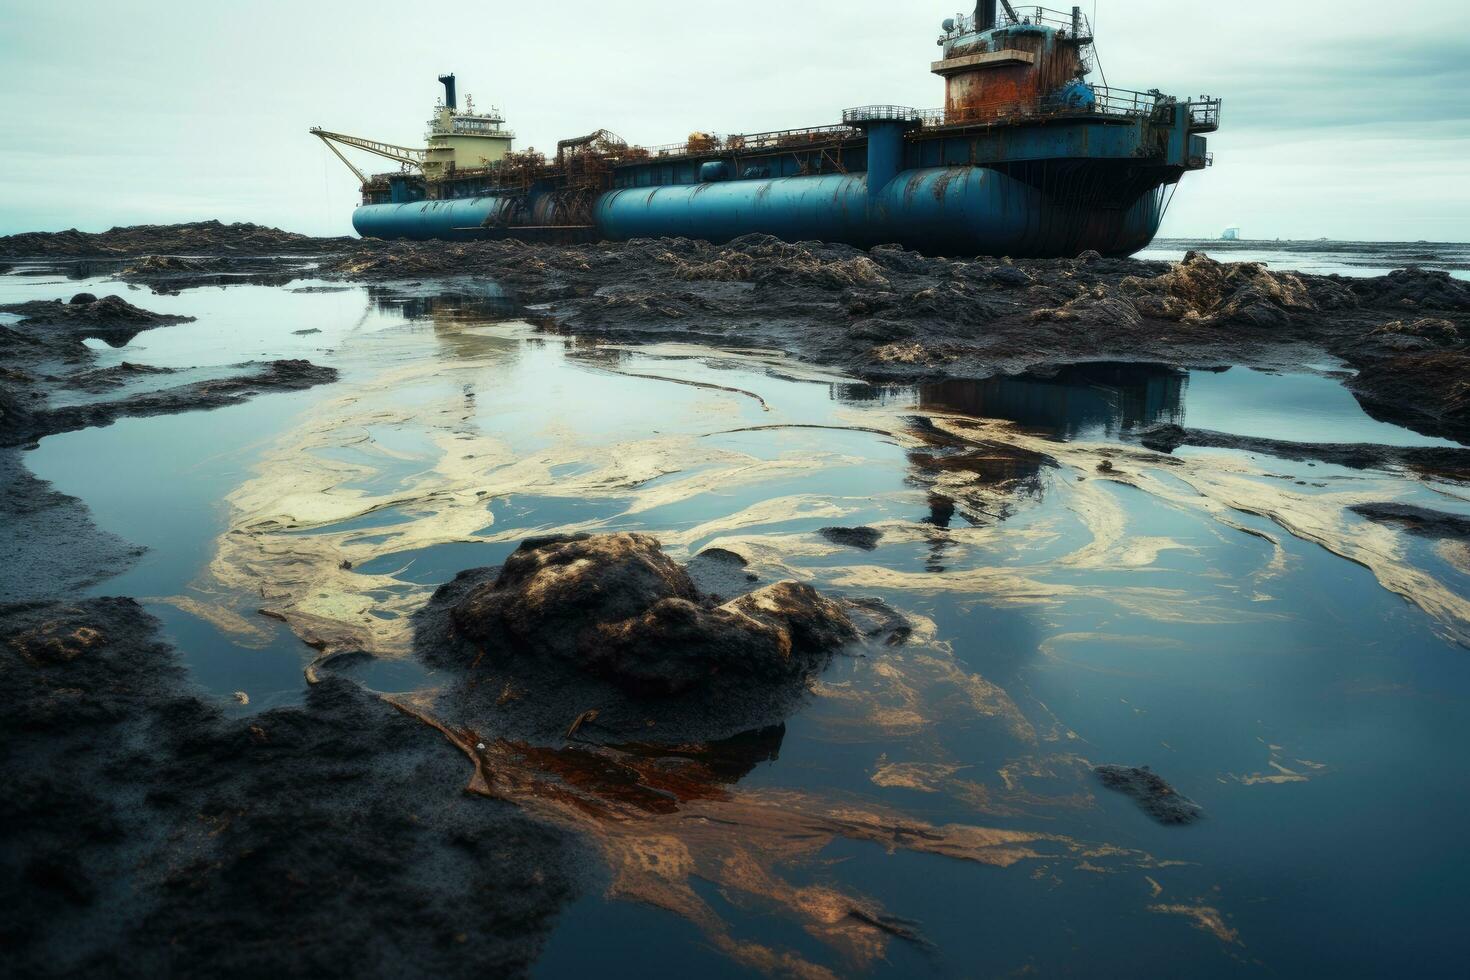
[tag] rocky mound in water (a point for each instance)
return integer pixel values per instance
(617, 607)
(194, 238)
(50, 337)
(111, 319)
(1151, 792)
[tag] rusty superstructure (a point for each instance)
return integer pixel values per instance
(1027, 157)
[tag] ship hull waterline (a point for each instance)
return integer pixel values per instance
(936, 211)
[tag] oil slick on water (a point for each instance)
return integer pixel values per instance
(1223, 617)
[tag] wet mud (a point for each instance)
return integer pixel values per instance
(888, 314)
(1419, 521)
(892, 315)
(574, 740)
(145, 834)
(1439, 462)
(45, 352)
(194, 238)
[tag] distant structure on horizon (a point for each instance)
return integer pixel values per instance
(1230, 235)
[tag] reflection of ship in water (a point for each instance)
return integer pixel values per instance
(472, 302)
(983, 479)
(1099, 399)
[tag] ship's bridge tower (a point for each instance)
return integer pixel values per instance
(1009, 63)
(463, 140)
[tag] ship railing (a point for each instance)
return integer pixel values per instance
(878, 113)
(1204, 113)
(1105, 102)
(703, 143)
(1062, 20)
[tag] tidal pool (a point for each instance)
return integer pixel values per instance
(1222, 617)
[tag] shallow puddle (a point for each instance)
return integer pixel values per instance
(1297, 670)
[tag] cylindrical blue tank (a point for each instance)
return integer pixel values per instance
(945, 210)
(463, 218)
(942, 210)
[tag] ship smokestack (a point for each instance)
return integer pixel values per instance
(984, 15)
(448, 81)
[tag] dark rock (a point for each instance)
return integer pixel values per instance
(773, 633)
(257, 379)
(1435, 331)
(863, 538)
(196, 238)
(616, 606)
(1441, 461)
(111, 319)
(1419, 521)
(879, 331)
(1414, 288)
(1010, 276)
(112, 378)
(553, 592)
(720, 574)
(1152, 794)
(1426, 390)
(81, 298)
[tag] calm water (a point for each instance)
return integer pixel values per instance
(1324, 258)
(1224, 619)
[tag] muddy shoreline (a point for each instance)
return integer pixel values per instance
(149, 833)
(891, 315)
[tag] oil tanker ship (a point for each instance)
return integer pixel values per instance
(1027, 158)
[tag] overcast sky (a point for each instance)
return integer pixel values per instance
(1342, 119)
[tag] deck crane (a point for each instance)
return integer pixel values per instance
(406, 155)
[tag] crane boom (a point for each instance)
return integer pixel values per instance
(406, 155)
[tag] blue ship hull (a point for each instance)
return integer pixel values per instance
(1052, 188)
(945, 210)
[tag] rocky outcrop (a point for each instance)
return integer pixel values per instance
(1202, 291)
(862, 538)
(616, 607)
(193, 238)
(1151, 792)
(111, 319)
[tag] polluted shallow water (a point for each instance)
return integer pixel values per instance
(1291, 667)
